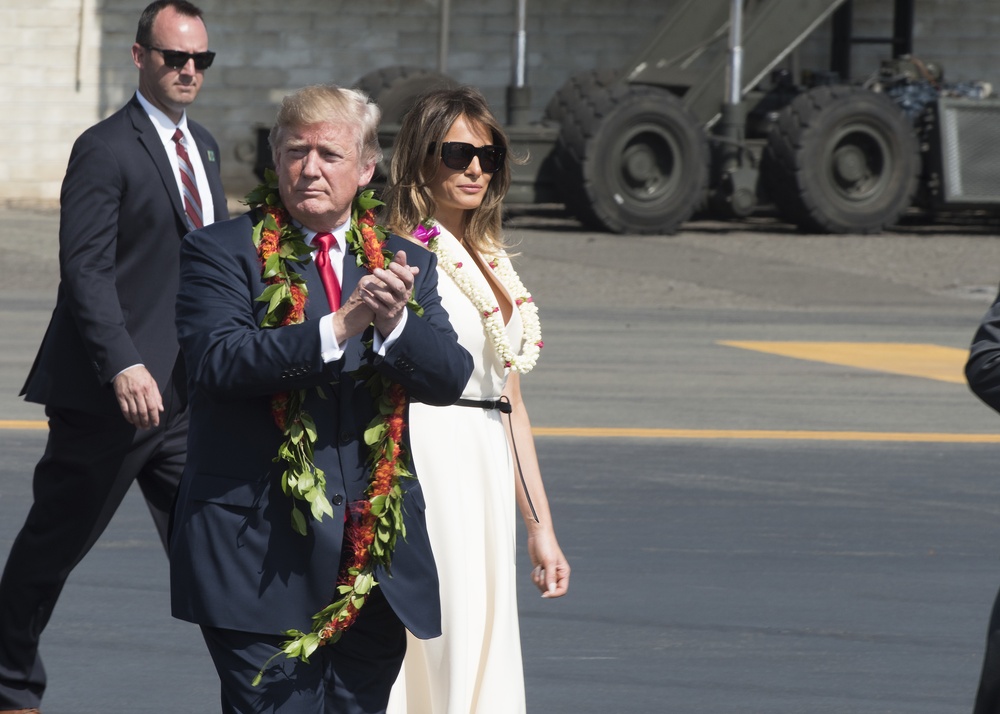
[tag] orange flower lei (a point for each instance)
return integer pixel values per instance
(280, 243)
(376, 522)
(371, 533)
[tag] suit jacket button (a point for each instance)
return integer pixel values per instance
(338, 499)
(345, 438)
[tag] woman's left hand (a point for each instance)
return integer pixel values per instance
(551, 569)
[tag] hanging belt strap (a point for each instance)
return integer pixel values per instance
(503, 405)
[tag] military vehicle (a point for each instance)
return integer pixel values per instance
(713, 116)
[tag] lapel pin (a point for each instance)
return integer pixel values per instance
(211, 156)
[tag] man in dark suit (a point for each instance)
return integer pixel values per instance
(238, 568)
(109, 370)
(983, 374)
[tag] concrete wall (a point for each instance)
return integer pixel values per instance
(67, 62)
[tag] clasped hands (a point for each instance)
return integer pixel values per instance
(379, 298)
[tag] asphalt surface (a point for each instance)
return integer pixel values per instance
(709, 574)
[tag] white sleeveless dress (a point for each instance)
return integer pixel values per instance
(463, 461)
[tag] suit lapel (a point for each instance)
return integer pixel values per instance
(210, 160)
(352, 273)
(150, 140)
(349, 282)
(316, 305)
(354, 350)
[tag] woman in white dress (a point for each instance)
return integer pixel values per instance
(448, 177)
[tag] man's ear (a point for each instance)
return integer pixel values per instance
(366, 175)
(138, 54)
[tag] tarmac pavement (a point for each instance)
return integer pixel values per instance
(710, 573)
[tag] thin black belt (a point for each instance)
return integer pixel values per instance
(503, 405)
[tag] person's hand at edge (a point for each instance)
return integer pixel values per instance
(550, 571)
(138, 397)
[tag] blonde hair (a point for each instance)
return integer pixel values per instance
(328, 103)
(408, 198)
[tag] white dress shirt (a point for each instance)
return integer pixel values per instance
(165, 128)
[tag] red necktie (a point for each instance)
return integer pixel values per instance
(192, 199)
(325, 241)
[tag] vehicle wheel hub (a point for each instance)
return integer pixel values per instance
(850, 165)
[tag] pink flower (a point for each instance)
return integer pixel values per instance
(424, 234)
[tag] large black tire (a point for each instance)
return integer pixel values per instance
(396, 89)
(841, 160)
(574, 89)
(631, 159)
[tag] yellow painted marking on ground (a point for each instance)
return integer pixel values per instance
(773, 435)
(23, 424)
(745, 434)
(945, 364)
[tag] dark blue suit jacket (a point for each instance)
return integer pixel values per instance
(119, 239)
(235, 561)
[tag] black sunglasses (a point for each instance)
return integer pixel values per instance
(457, 155)
(175, 59)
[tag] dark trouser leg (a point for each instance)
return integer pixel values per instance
(87, 468)
(364, 664)
(352, 676)
(160, 474)
(289, 686)
(988, 695)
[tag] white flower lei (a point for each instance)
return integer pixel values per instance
(489, 310)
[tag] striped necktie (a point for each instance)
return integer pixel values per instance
(192, 200)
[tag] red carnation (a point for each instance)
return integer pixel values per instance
(268, 244)
(372, 247)
(279, 409)
(382, 478)
(396, 424)
(357, 543)
(298, 308)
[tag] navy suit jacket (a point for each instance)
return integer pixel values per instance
(235, 561)
(119, 240)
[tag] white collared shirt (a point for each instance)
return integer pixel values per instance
(165, 128)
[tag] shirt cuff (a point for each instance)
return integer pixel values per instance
(330, 350)
(381, 346)
(138, 364)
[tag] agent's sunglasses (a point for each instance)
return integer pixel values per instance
(457, 155)
(175, 59)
